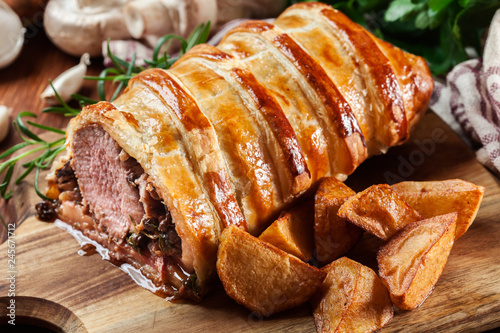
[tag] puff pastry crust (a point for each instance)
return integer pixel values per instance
(232, 134)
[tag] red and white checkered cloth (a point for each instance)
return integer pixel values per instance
(470, 99)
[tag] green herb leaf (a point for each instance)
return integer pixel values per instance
(83, 100)
(47, 128)
(37, 190)
(402, 10)
(439, 5)
(22, 127)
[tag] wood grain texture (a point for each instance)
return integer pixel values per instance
(105, 299)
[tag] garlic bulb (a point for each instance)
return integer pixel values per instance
(68, 83)
(4, 121)
(11, 35)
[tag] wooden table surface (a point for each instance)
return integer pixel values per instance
(21, 84)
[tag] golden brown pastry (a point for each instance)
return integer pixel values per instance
(231, 135)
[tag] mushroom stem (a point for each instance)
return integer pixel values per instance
(149, 17)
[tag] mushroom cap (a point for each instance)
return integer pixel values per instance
(11, 35)
(77, 28)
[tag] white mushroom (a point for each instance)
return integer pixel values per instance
(146, 18)
(68, 83)
(80, 26)
(11, 35)
(4, 121)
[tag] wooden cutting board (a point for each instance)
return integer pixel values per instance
(85, 293)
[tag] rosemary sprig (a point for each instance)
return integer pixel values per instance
(50, 150)
(119, 75)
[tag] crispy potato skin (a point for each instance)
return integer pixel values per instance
(352, 298)
(412, 261)
(292, 232)
(379, 211)
(333, 235)
(262, 277)
(433, 198)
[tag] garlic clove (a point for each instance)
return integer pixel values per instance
(68, 83)
(11, 35)
(4, 122)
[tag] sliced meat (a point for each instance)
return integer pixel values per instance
(102, 178)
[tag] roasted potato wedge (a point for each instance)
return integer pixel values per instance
(352, 298)
(333, 235)
(412, 261)
(379, 211)
(262, 277)
(435, 198)
(292, 232)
